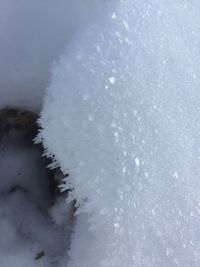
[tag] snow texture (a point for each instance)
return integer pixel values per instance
(121, 117)
(33, 34)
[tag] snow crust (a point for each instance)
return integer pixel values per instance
(121, 117)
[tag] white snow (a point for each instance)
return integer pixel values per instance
(141, 216)
(137, 162)
(112, 80)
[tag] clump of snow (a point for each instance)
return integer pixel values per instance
(121, 116)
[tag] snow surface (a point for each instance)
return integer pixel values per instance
(121, 115)
(33, 34)
(30, 223)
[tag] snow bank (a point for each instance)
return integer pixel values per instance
(121, 115)
(34, 33)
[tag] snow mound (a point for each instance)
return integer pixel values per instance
(121, 117)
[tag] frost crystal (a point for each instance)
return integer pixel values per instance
(112, 80)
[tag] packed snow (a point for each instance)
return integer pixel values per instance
(121, 117)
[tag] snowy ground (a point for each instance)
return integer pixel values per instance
(34, 223)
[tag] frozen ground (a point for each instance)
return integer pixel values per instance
(34, 225)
